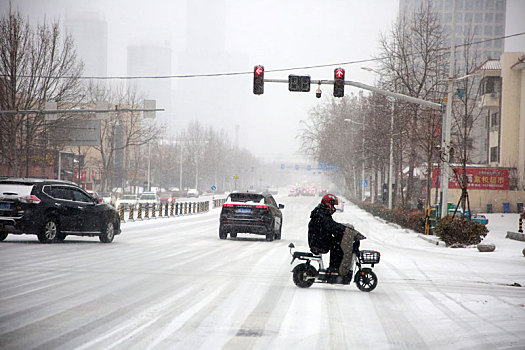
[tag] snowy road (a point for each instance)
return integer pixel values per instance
(172, 284)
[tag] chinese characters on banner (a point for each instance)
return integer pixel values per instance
(480, 179)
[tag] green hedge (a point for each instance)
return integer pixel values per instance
(459, 232)
(409, 218)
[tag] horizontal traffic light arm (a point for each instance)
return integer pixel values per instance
(411, 99)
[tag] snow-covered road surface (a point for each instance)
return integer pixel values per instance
(172, 284)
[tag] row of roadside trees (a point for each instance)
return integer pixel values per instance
(354, 133)
(39, 64)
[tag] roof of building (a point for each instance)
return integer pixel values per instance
(489, 64)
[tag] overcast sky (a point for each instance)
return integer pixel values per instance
(211, 36)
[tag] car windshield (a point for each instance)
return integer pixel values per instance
(129, 197)
(246, 198)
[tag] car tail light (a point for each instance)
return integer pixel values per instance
(228, 205)
(31, 199)
(262, 207)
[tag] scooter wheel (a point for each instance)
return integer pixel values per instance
(366, 280)
(302, 275)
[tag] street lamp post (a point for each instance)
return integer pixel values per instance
(391, 158)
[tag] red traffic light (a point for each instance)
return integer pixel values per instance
(258, 80)
(339, 82)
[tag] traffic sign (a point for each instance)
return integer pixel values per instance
(213, 188)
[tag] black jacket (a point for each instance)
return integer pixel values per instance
(323, 231)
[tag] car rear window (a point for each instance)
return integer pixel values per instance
(15, 190)
(148, 196)
(129, 197)
(245, 198)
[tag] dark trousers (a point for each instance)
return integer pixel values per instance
(336, 255)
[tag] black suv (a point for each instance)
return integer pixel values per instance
(251, 213)
(53, 209)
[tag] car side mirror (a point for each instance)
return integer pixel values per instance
(281, 206)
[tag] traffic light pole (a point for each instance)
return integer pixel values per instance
(406, 98)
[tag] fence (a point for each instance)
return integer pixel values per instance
(148, 212)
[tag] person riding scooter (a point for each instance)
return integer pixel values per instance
(326, 235)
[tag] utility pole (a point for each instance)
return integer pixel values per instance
(445, 147)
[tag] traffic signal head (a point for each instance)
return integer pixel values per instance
(258, 80)
(339, 82)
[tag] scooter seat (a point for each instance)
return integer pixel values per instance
(297, 255)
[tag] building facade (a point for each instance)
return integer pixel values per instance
(503, 102)
(477, 21)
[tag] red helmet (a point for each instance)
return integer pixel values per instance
(330, 201)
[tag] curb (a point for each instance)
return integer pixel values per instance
(432, 239)
(516, 236)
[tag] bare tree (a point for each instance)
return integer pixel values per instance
(122, 134)
(466, 113)
(413, 61)
(37, 65)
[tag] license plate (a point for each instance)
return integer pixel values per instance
(4, 205)
(244, 210)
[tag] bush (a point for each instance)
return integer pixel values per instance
(408, 218)
(456, 231)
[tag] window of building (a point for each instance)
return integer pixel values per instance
(500, 4)
(488, 44)
(489, 17)
(494, 119)
(494, 154)
(488, 31)
(468, 17)
(479, 4)
(478, 18)
(498, 43)
(500, 17)
(489, 4)
(469, 4)
(499, 30)
(490, 85)
(459, 5)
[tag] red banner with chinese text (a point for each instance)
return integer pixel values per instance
(479, 178)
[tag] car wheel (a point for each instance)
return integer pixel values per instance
(222, 233)
(108, 233)
(3, 236)
(49, 231)
(233, 234)
(270, 236)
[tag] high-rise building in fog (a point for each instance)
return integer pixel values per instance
(151, 61)
(477, 20)
(205, 51)
(485, 19)
(90, 33)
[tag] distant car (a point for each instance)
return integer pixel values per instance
(108, 198)
(52, 210)
(192, 193)
(166, 198)
(127, 201)
(95, 195)
(149, 198)
(256, 213)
